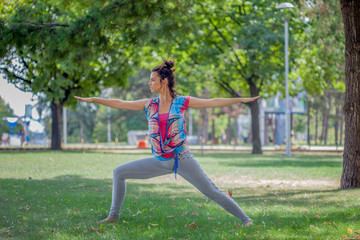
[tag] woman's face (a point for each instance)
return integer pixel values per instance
(155, 85)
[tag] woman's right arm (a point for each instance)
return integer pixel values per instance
(136, 105)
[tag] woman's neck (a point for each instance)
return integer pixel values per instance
(165, 98)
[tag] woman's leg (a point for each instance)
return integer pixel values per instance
(140, 169)
(191, 171)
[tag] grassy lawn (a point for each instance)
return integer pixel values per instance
(63, 195)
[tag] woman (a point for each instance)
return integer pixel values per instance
(169, 146)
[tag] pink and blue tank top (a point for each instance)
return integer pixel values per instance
(171, 142)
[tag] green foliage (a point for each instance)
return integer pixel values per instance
(322, 65)
(5, 111)
(234, 45)
(60, 49)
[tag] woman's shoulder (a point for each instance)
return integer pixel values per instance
(151, 101)
(182, 99)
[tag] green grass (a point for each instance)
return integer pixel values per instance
(60, 195)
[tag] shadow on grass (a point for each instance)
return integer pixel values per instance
(67, 206)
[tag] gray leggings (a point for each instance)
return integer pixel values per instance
(189, 169)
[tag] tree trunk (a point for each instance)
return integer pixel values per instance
(236, 131)
(266, 128)
(316, 127)
(228, 131)
(56, 126)
(308, 125)
(254, 107)
(323, 111)
(255, 126)
(212, 130)
(199, 127)
(327, 121)
(273, 130)
(336, 125)
(341, 129)
(81, 131)
(351, 162)
(212, 126)
(206, 123)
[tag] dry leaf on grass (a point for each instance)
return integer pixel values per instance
(193, 225)
(184, 213)
(95, 230)
(209, 218)
(278, 222)
(170, 217)
(230, 192)
(317, 216)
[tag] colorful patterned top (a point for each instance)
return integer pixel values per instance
(175, 139)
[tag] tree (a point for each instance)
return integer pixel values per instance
(238, 43)
(5, 111)
(61, 50)
(351, 162)
(321, 66)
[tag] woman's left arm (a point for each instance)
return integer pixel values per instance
(217, 102)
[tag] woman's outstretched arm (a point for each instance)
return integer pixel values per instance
(217, 102)
(136, 105)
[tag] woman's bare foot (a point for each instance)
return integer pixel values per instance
(248, 224)
(108, 220)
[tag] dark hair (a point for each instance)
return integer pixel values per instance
(165, 71)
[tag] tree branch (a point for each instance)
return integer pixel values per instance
(229, 15)
(261, 83)
(49, 25)
(228, 88)
(223, 38)
(234, 64)
(16, 76)
(243, 7)
(27, 66)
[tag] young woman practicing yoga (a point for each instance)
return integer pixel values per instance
(169, 145)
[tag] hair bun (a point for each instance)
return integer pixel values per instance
(169, 64)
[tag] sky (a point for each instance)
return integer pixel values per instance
(16, 98)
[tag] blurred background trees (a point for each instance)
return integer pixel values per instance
(57, 49)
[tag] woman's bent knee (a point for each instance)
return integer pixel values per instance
(117, 171)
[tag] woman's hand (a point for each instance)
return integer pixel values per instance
(84, 99)
(246, 100)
